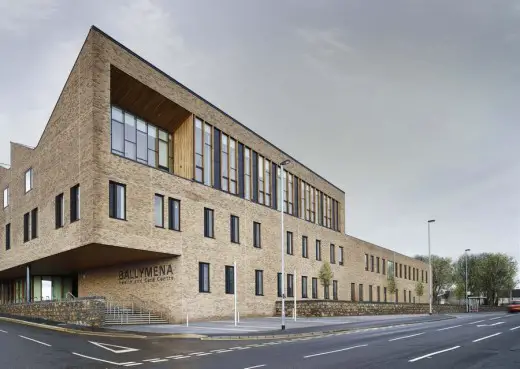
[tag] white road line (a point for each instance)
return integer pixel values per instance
(225, 329)
(332, 352)
(204, 354)
(478, 321)
(220, 351)
(1, 330)
(431, 354)
(402, 338)
(93, 358)
(178, 357)
(483, 338)
(132, 364)
(196, 353)
(175, 356)
(157, 358)
(512, 329)
(455, 326)
(497, 317)
(31, 339)
(256, 366)
(243, 348)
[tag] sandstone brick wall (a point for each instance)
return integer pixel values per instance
(83, 311)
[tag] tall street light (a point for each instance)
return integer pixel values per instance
(285, 162)
(430, 265)
(467, 298)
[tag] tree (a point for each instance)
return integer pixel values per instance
(325, 275)
(442, 277)
(391, 285)
(419, 290)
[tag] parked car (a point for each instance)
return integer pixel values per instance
(514, 306)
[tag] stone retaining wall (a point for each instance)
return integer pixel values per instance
(88, 311)
(325, 308)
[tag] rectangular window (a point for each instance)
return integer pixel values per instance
(326, 295)
(396, 295)
(369, 293)
(152, 146)
(341, 260)
(28, 180)
(59, 207)
(305, 249)
(267, 182)
(159, 210)
(233, 187)
(314, 288)
(208, 149)
(318, 250)
(422, 276)
(289, 242)
(216, 159)
(378, 293)
(400, 270)
(241, 170)
(8, 236)
(334, 290)
(247, 174)
(261, 190)
(209, 223)
(26, 218)
(302, 199)
(426, 276)
(199, 156)
(384, 294)
(277, 191)
(304, 287)
(409, 272)
(332, 254)
(259, 282)
(163, 149)
(384, 266)
(377, 264)
(174, 214)
(371, 263)
(290, 285)
(230, 279)
(279, 285)
(366, 261)
(289, 197)
(409, 296)
(130, 136)
(34, 223)
(404, 293)
(352, 292)
(6, 197)
(257, 235)
(75, 203)
(254, 179)
(235, 229)
(224, 160)
(360, 293)
(204, 277)
(405, 274)
(117, 200)
(142, 141)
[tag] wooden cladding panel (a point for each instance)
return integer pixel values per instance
(183, 149)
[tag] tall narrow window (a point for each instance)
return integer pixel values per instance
(305, 248)
(267, 182)
(326, 294)
(371, 263)
(28, 180)
(314, 288)
(6, 197)
(225, 163)
(370, 293)
(422, 276)
(58, 211)
(174, 214)
(199, 162)
(152, 146)
(207, 155)
(313, 205)
(247, 174)
(279, 284)
(285, 193)
(232, 166)
(409, 296)
(75, 203)
(400, 270)
(360, 293)
(318, 250)
(34, 223)
(261, 189)
(290, 198)
(352, 292)
(302, 199)
(307, 202)
(304, 287)
(289, 242)
(383, 264)
(230, 280)
(118, 132)
(426, 276)
(117, 200)
(204, 277)
(142, 141)
(8, 236)
(334, 290)
(384, 294)
(130, 136)
(26, 218)
(378, 293)
(409, 272)
(163, 149)
(159, 210)
(341, 261)
(257, 235)
(279, 189)
(404, 294)
(377, 264)
(366, 261)
(235, 229)
(405, 274)
(290, 285)
(209, 223)
(259, 282)
(332, 254)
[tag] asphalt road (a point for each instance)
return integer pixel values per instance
(468, 341)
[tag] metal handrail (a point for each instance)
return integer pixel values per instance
(152, 306)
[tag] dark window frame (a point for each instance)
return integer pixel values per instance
(34, 223)
(332, 253)
(378, 264)
(314, 288)
(371, 263)
(26, 227)
(229, 279)
(341, 255)
(209, 216)
(304, 287)
(318, 250)
(352, 292)
(259, 282)
(257, 235)
(157, 195)
(75, 203)
(279, 284)
(305, 247)
(59, 214)
(289, 247)
(172, 215)
(366, 262)
(335, 289)
(112, 199)
(202, 277)
(8, 236)
(290, 285)
(234, 229)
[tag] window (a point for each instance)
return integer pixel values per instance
(318, 250)
(400, 270)
(174, 214)
(305, 249)
(384, 266)
(278, 189)
(369, 293)
(230, 279)
(257, 235)
(207, 154)
(59, 207)
(422, 276)
(341, 255)
(26, 227)
(302, 199)
(314, 288)
(8, 236)
(371, 263)
(409, 272)
(404, 293)
(28, 180)
(267, 182)
(247, 174)
(235, 229)
(117, 200)
(163, 149)
(159, 210)
(209, 223)
(290, 190)
(199, 161)
(204, 277)
(259, 282)
(225, 163)
(405, 274)
(426, 277)
(290, 285)
(352, 292)
(409, 296)
(232, 166)
(377, 264)
(261, 191)
(326, 292)
(396, 295)
(334, 290)
(34, 223)
(360, 294)
(378, 293)
(366, 261)
(6, 197)
(304, 287)
(75, 203)
(290, 250)
(384, 294)
(279, 285)
(332, 254)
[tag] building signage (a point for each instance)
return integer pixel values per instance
(158, 273)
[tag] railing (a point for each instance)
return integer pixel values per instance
(121, 309)
(153, 306)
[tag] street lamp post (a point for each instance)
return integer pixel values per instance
(467, 298)
(285, 162)
(430, 265)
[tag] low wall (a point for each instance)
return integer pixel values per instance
(87, 311)
(325, 308)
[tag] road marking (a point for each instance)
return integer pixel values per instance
(455, 326)
(243, 348)
(220, 351)
(431, 354)
(332, 352)
(225, 329)
(489, 325)
(256, 366)
(196, 353)
(512, 329)
(158, 361)
(204, 354)
(497, 317)
(478, 321)
(94, 358)
(157, 358)
(132, 364)
(402, 338)
(31, 339)
(492, 335)
(106, 346)
(177, 357)
(1, 330)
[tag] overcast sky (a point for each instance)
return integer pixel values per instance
(411, 107)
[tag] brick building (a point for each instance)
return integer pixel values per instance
(139, 188)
